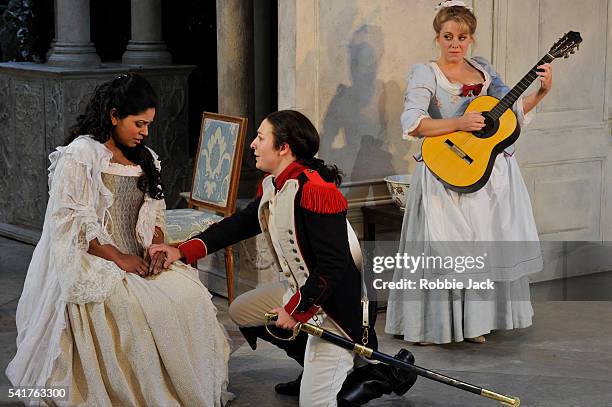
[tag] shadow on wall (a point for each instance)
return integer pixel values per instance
(351, 127)
(355, 129)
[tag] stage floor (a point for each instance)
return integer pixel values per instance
(564, 359)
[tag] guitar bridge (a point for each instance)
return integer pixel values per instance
(462, 154)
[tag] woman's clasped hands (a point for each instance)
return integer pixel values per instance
(149, 266)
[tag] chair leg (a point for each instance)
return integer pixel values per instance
(229, 271)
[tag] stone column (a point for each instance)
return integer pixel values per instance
(146, 46)
(235, 56)
(52, 45)
(73, 46)
(236, 90)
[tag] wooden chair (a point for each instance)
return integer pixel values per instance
(214, 186)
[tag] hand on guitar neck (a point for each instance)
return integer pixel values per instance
(532, 100)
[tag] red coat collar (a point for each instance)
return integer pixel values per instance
(291, 172)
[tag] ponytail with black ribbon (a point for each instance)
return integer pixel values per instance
(293, 128)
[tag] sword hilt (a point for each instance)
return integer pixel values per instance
(273, 316)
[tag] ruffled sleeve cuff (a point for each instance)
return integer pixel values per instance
(523, 119)
(406, 134)
(92, 230)
(160, 215)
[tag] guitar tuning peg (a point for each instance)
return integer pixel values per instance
(573, 51)
(566, 56)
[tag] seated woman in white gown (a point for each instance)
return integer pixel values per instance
(94, 315)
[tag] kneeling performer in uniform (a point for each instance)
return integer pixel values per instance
(302, 214)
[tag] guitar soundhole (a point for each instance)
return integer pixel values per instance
(490, 128)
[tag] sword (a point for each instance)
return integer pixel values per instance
(372, 354)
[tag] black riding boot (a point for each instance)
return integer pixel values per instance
(373, 380)
(295, 350)
(291, 388)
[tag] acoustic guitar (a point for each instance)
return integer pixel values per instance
(462, 160)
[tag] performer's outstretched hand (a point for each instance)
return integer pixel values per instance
(172, 253)
(284, 320)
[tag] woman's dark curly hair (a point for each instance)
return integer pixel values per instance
(293, 128)
(129, 94)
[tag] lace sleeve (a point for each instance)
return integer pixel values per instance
(152, 214)
(76, 209)
(160, 215)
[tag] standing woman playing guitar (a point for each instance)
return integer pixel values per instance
(435, 100)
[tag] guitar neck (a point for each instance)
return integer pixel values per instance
(511, 97)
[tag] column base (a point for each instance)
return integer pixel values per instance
(74, 55)
(146, 53)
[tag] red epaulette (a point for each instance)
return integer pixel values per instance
(320, 196)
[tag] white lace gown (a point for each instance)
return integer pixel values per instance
(112, 338)
(499, 212)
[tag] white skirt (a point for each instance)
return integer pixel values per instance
(499, 212)
(155, 341)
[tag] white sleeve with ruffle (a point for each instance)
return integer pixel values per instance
(77, 210)
(420, 89)
(152, 214)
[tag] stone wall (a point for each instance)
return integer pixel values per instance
(39, 103)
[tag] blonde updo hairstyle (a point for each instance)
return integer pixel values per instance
(461, 15)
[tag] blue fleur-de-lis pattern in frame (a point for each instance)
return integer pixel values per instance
(215, 159)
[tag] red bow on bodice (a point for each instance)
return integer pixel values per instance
(471, 90)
